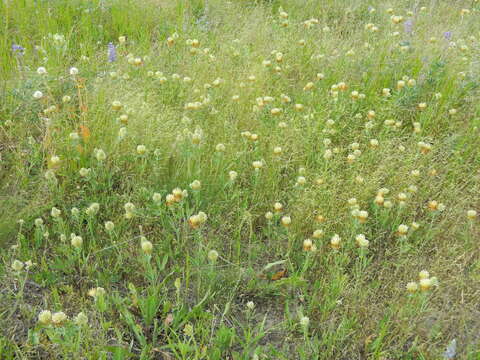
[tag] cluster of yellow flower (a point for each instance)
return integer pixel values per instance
(47, 318)
(197, 220)
(176, 196)
(425, 282)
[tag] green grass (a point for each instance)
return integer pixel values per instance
(239, 284)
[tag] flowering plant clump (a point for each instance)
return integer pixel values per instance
(192, 179)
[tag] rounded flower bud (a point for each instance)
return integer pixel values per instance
(77, 241)
(423, 274)
(362, 216)
(116, 105)
(362, 241)
(276, 111)
(54, 160)
(422, 106)
(55, 212)
(58, 318)
(212, 256)
(17, 265)
(232, 175)
(257, 165)
(146, 246)
(277, 150)
(286, 221)
(402, 229)
(109, 225)
(45, 317)
(388, 204)
(100, 154)
(157, 197)
(304, 321)
(41, 70)
(37, 95)
(141, 149)
(425, 284)
(81, 319)
(335, 242)
(92, 209)
(301, 180)
(471, 214)
(129, 207)
(412, 287)
(84, 172)
(307, 245)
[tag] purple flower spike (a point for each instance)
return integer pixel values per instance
(17, 49)
(447, 35)
(112, 52)
(408, 26)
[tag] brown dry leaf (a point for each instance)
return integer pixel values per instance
(168, 320)
(279, 275)
(369, 339)
(84, 132)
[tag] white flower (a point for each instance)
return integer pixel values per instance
(220, 147)
(212, 256)
(41, 70)
(257, 165)
(55, 212)
(402, 229)
(76, 241)
(92, 209)
(45, 317)
(129, 207)
(84, 172)
(141, 149)
(304, 321)
(59, 317)
(17, 265)
(50, 175)
(74, 136)
(100, 154)
(157, 197)
(196, 185)
(122, 132)
(232, 175)
(73, 71)
(109, 225)
(471, 214)
(81, 319)
(146, 246)
(37, 94)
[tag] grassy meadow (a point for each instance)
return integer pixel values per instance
(211, 179)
